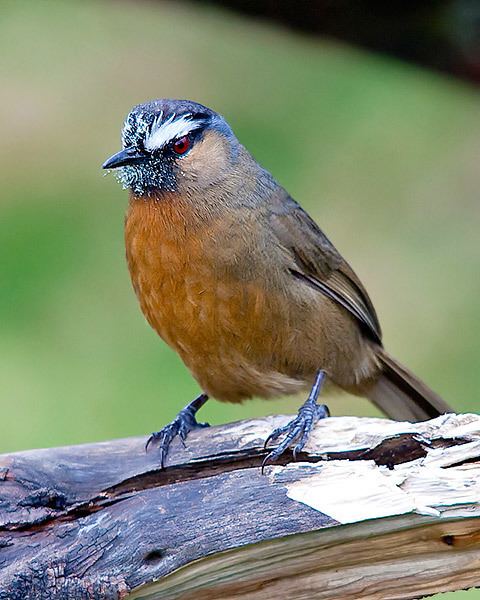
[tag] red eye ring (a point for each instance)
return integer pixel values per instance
(181, 145)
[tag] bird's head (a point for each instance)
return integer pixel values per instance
(173, 146)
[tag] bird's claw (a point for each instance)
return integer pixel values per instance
(298, 428)
(183, 423)
(276, 433)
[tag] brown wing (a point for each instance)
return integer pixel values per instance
(318, 262)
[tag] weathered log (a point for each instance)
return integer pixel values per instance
(372, 509)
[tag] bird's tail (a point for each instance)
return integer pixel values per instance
(402, 396)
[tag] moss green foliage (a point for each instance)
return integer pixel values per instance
(384, 155)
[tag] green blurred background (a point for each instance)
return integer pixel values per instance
(384, 155)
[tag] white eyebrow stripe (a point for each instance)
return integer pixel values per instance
(162, 133)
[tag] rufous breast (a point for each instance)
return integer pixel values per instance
(223, 328)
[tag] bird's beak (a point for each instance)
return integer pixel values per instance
(127, 156)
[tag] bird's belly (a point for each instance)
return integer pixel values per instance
(223, 330)
(239, 337)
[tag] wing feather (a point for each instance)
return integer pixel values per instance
(318, 262)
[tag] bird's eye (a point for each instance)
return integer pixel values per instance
(181, 145)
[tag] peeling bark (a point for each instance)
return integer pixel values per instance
(102, 521)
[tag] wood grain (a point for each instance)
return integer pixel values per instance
(102, 521)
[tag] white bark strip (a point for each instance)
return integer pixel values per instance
(353, 491)
(350, 493)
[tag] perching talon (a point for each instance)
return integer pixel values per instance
(183, 423)
(300, 427)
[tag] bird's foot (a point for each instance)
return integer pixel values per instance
(297, 429)
(183, 423)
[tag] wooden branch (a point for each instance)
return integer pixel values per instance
(372, 509)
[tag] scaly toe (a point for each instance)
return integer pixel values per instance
(163, 439)
(322, 411)
(271, 456)
(183, 423)
(159, 437)
(276, 433)
(293, 430)
(300, 427)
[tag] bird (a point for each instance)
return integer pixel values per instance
(242, 283)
